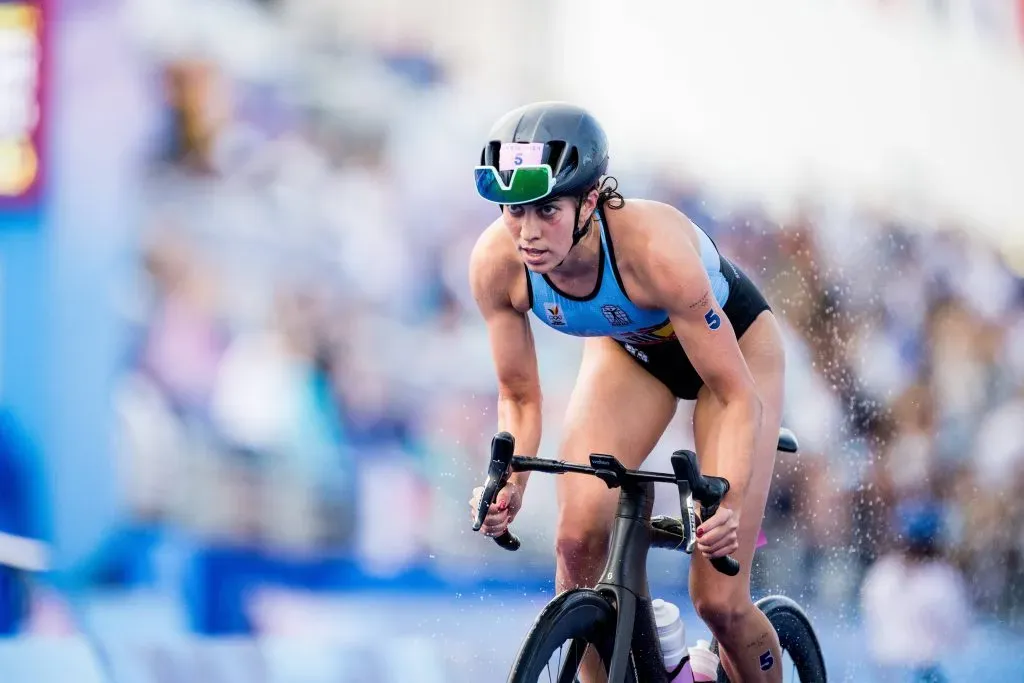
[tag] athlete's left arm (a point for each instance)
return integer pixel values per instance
(673, 277)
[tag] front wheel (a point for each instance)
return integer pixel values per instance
(575, 625)
(797, 638)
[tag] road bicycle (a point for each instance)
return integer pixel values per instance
(616, 617)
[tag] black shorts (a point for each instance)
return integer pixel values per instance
(668, 362)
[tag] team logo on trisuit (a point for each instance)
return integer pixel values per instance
(637, 353)
(615, 315)
(555, 315)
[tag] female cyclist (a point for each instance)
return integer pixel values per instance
(665, 317)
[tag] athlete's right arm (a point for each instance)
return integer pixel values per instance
(492, 273)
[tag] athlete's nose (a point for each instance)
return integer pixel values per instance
(530, 228)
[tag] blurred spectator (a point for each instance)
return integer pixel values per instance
(183, 342)
(914, 601)
(273, 399)
(195, 112)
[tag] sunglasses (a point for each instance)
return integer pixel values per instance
(527, 184)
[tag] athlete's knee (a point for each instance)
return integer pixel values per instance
(581, 549)
(721, 610)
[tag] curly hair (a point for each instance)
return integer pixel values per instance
(608, 193)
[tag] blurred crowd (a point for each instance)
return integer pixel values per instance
(906, 381)
(310, 376)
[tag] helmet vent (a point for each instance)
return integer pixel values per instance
(570, 162)
(555, 155)
(489, 154)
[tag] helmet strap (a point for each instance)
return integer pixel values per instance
(578, 232)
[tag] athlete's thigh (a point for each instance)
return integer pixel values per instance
(616, 408)
(763, 351)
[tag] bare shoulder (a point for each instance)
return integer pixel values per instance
(645, 235)
(647, 217)
(496, 273)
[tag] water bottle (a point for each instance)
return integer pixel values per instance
(672, 634)
(703, 662)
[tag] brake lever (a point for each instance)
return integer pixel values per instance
(503, 446)
(688, 517)
(684, 464)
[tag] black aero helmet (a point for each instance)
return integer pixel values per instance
(563, 137)
(574, 143)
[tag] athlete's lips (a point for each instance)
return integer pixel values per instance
(533, 252)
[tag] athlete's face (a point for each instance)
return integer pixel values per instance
(543, 231)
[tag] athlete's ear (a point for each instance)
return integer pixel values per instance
(588, 206)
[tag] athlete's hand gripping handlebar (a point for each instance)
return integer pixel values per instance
(709, 492)
(503, 445)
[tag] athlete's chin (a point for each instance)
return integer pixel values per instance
(540, 269)
(537, 260)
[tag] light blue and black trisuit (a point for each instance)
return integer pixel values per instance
(645, 333)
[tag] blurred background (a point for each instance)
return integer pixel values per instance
(245, 393)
